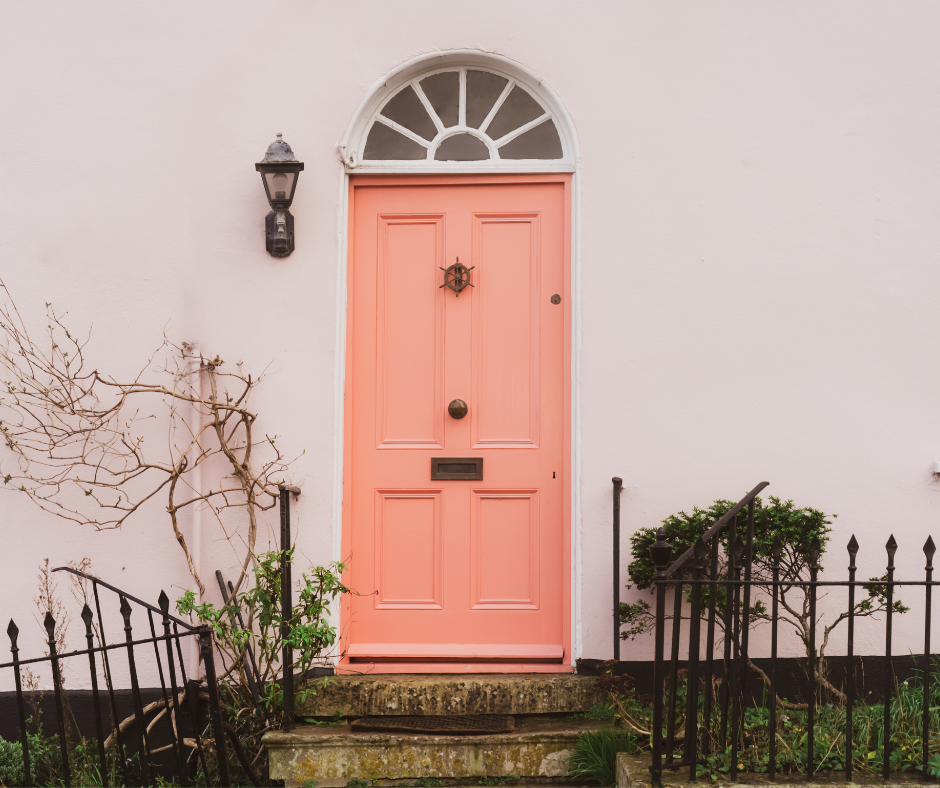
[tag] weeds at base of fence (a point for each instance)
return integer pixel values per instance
(594, 756)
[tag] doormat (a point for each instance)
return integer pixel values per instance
(453, 725)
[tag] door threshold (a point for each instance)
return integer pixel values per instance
(367, 668)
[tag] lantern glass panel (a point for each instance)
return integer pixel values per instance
(280, 184)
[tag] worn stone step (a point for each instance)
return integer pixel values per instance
(331, 755)
(485, 693)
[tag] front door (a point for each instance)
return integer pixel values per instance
(457, 424)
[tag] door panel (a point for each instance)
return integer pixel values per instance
(457, 570)
(506, 337)
(504, 544)
(408, 549)
(409, 323)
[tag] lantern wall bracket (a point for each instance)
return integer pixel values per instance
(279, 170)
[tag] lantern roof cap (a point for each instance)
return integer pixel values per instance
(279, 150)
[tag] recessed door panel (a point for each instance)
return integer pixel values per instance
(504, 549)
(408, 548)
(409, 312)
(506, 330)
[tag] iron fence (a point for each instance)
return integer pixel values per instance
(721, 592)
(180, 694)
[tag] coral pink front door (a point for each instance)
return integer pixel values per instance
(468, 567)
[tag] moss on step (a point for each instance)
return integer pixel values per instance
(333, 755)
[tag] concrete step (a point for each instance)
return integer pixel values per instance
(421, 694)
(331, 755)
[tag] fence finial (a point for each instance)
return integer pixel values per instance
(49, 623)
(13, 631)
(776, 549)
(814, 551)
(126, 612)
(892, 547)
(852, 547)
(164, 601)
(661, 550)
(86, 617)
(929, 549)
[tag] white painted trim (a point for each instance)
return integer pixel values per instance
(435, 119)
(496, 107)
(339, 381)
(453, 131)
(462, 98)
(510, 136)
(577, 629)
(509, 166)
(355, 136)
(459, 60)
(402, 130)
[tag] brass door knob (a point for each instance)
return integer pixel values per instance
(457, 409)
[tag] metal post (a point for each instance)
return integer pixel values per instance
(215, 706)
(96, 703)
(49, 623)
(776, 552)
(287, 656)
(710, 647)
(172, 707)
(618, 488)
(13, 633)
(811, 709)
(850, 659)
(734, 680)
(891, 548)
(929, 550)
(673, 672)
(660, 552)
(135, 690)
(695, 624)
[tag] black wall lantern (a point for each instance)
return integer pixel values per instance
(279, 172)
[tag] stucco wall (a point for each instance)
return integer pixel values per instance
(758, 244)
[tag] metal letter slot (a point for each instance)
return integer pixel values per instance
(457, 468)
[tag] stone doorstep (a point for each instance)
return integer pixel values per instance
(331, 755)
(421, 694)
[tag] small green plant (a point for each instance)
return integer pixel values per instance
(357, 784)
(599, 711)
(595, 755)
(428, 782)
(308, 630)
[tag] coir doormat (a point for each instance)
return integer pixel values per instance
(453, 725)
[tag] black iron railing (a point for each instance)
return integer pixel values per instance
(728, 594)
(180, 694)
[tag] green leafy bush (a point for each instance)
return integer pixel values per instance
(799, 529)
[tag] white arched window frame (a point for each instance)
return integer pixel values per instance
(411, 74)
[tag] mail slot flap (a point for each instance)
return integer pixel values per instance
(456, 468)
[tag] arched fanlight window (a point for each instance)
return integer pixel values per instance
(461, 115)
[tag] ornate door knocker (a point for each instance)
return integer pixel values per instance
(457, 277)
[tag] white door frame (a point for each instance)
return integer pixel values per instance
(351, 150)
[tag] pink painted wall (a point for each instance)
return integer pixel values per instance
(759, 237)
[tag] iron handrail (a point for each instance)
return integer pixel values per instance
(726, 518)
(140, 602)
